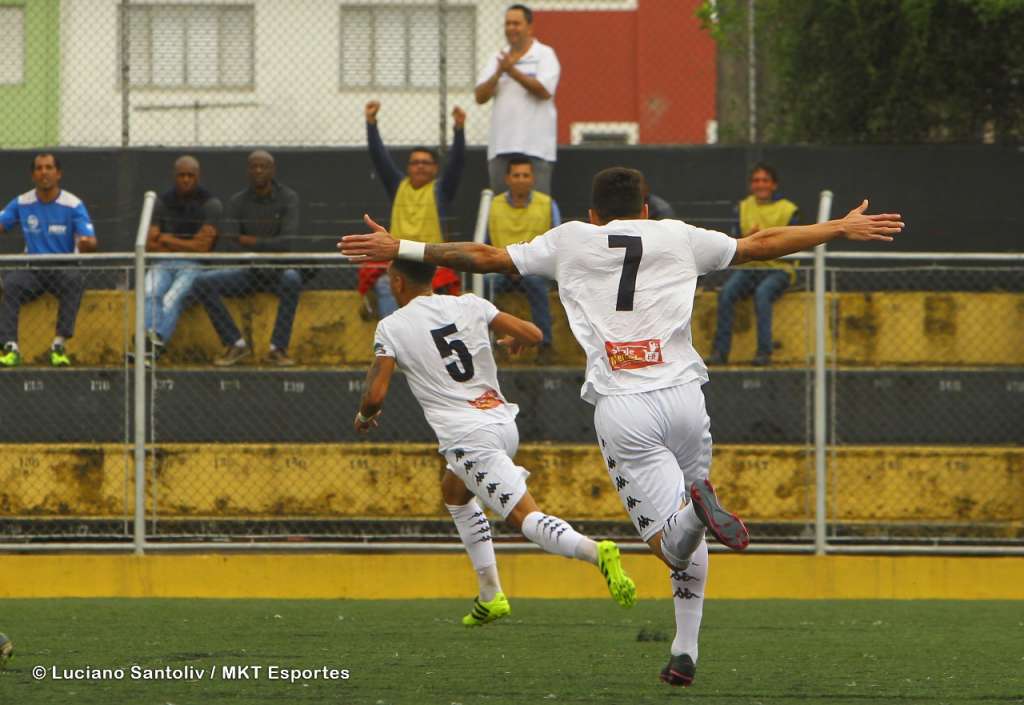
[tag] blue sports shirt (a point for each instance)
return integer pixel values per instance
(49, 228)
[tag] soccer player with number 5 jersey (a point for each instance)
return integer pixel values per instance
(443, 345)
(627, 284)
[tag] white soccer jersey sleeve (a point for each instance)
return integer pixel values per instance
(443, 345)
(628, 289)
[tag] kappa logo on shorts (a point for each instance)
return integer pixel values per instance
(504, 498)
(603, 444)
(480, 476)
(490, 489)
(611, 463)
(643, 522)
(630, 356)
(487, 400)
(620, 482)
(631, 502)
(469, 465)
(459, 454)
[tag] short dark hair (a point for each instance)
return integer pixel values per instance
(518, 161)
(618, 192)
(56, 160)
(766, 168)
(527, 12)
(420, 273)
(428, 150)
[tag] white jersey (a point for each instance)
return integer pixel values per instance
(443, 345)
(628, 288)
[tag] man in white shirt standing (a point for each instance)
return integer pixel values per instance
(628, 284)
(522, 79)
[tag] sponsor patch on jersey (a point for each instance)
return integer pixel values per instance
(58, 229)
(630, 356)
(487, 400)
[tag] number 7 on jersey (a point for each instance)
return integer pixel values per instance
(630, 266)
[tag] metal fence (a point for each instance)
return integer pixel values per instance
(207, 73)
(889, 415)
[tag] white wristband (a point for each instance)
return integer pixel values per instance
(410, 249)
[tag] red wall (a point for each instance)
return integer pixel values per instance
(653, 66)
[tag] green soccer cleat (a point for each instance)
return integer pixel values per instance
(620, 585)
(6, 649)
(485, 612)
(59, 356)
(10, 357)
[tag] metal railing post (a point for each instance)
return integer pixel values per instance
(140, 372)
(480, 233)
(820, 410)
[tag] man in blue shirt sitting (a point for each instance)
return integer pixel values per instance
(53, 221)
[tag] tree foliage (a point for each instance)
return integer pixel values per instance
(884, 71)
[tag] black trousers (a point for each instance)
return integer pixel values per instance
(26, 285)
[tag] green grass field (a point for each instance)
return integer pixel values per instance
(548, 651)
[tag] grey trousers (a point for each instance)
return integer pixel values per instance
(541, 173)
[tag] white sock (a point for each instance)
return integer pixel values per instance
(475, 531)
(682, 534)
(688, 588)
(240, 343)
(11, 345)
(552, 534)
(58, 340)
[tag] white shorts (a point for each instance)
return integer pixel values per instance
(655, 445)
(483, 460)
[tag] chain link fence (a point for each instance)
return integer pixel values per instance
(924, 385)
(208, 73)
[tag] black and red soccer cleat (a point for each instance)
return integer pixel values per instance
(679, 671)
(725, 526)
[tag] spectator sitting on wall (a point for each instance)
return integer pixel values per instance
(522, 79)
(261, 218)
(185, 219)
(766, 281)
(418, 202)
(518, 215)
(53, 221)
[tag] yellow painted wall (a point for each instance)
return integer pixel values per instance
(893, 483)
(888, 328)
(386, 576)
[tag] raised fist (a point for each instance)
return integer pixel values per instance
(371, 110)
(459, 117)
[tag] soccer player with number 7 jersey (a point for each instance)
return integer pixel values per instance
(443, 345)
(627, 284)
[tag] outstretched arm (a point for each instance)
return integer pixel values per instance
(516, 332)
(380, 246)
(773, 243)
(378, 378)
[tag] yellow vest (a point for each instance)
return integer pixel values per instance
(414, 214)
(510, 226)
(767, 215)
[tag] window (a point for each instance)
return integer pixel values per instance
(398, 47)
(12, 58)
(191, 46)
(604, 133)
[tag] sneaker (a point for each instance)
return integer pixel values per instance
(485, 612)
(726, 527)
(154, 349)
(232, 354)
(11, 357)
(679, 671)
(762, 360)
(620, 585)
(59, 357)
(279, 358)
(716, 358)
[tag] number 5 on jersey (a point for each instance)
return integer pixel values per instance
(448, 347)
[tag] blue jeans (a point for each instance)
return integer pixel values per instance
(386, 304)
(212, 286)
(766, 285)
(536, 290)
(168, 292)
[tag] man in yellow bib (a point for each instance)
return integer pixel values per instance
(418, 200)
(519, 215)
(766, 281)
